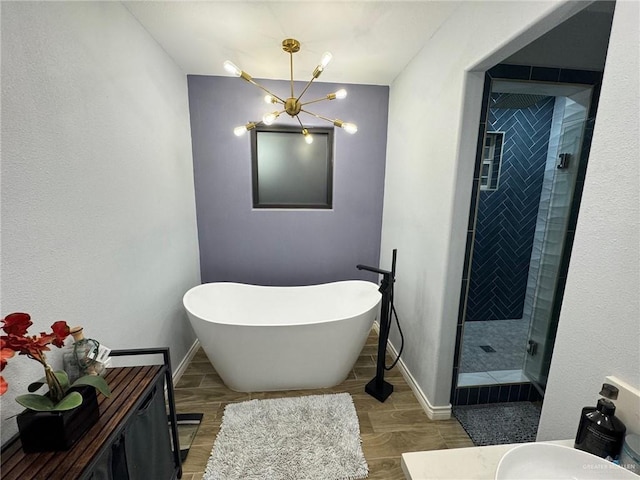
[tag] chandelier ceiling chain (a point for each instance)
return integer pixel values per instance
(293, 105)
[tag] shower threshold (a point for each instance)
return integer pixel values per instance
(495, 377)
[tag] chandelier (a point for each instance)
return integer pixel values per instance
(293, 105)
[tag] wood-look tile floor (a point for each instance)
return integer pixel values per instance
(387, 429)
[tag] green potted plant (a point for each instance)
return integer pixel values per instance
(56, 419)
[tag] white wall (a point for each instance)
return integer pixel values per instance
(599, 328)
(433, 120)
(98, 214)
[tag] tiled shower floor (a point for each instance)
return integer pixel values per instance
(507, 337)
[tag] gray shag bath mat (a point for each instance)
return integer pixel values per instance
(499, 423)
(299, 438)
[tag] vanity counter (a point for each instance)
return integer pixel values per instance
(471, 463)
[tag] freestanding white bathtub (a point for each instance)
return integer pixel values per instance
(282, 338)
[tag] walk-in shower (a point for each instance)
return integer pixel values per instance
(531, 160)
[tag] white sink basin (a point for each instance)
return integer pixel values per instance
(546, 461)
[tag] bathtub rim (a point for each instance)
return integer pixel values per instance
(277, 287)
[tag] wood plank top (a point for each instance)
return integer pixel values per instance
(128, 385)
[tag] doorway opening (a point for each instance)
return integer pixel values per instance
(530, 167)
(521, 224)
(537, 137)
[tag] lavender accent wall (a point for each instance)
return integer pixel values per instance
(285, 247)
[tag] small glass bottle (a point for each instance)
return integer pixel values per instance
(80, 358)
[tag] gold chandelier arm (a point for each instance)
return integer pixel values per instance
(328, 97)
(253, 82)
(348, 127)
(291, 69)
(316, 73)
(318, 116)
(305, 88)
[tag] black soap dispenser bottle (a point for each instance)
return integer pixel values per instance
(600, 432)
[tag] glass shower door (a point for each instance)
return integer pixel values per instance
(551, 231)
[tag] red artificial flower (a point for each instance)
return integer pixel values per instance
(17, 344)
(17, 323)
(16, 340)
(60, 331)
(5, 354)
(38, 344)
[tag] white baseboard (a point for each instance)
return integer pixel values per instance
(433, 412)
(177, 375)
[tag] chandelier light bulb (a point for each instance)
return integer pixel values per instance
(307, 136)
(239, 131)
(350, 128)
(326, 58)
(269, 99)
(340, 94)
(269, 118)
(232, 68)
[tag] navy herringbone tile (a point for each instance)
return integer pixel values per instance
(506, 220)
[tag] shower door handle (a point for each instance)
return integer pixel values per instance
(564, 160)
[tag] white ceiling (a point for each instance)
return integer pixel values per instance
(371, 41)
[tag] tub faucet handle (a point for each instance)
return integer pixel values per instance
(387, 277)
(385, 285)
